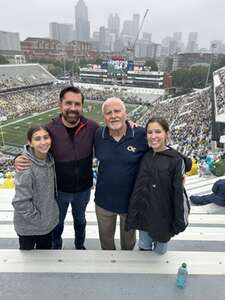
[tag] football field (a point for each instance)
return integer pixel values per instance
(14, 132)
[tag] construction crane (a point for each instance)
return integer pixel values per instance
(130, 50)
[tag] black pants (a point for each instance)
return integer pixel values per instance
(29, 242)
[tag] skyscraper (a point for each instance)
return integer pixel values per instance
(110, 23)
(117, 24)
(61, 32)
(82, 25)
(177, 36)
(147, 36)
(127, 27)
(175, 44)
(9, 41)
(103, 39)
(114, 24)
(135, 24)
(192, 44)
(217, 46)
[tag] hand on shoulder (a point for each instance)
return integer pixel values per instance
(22, 163)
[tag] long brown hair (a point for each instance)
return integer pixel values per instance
(34, 128)
(161, 122)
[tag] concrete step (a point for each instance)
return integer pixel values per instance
(191, 233)
(206, 222)
(6, 217)
(89, 261)
(101, 275)
(120, 275)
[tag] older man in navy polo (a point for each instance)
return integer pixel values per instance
(119, 148)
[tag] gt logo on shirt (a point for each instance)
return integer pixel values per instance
(131, 148)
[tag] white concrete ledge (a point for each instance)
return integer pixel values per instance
(199, 181)
(211, 219)
(138, 262)
(208, 209)
(203, 190)
(190, 234)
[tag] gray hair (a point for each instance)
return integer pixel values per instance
(112, 99)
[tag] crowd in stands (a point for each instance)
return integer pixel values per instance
(190, 119)
(191, 128)
(23, 102)
(127, 97)
(101, 95)
(15, 76)
(208, 165)
(37, 99)
(189, 115)
(220, 91)
(6, 164)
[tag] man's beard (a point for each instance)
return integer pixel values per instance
(71, 119)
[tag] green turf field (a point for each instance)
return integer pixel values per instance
(14, 132)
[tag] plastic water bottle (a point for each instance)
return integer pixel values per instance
(182, 276)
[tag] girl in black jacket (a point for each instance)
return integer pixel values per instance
(158, 207)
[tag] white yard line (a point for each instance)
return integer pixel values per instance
(27, 118)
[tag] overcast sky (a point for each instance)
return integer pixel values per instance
(32, 17)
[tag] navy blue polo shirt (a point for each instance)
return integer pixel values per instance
(118, 166)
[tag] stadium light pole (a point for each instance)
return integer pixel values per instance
(2, 135)
(213, 46)
(73, 68)
(214, 127)
(64, 60)
(64, 66)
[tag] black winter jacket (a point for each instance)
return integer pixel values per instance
(158, 205)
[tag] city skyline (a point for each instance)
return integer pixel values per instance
(201, 16)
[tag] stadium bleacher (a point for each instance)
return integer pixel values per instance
(23, 75)
(189, 117)
(219, 89)
(94, 274)
(131, 95)
(19, 103)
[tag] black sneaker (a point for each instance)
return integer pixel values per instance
(141, 249)
(57, 247)
(80, 248)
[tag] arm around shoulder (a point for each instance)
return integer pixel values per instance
(22, 163)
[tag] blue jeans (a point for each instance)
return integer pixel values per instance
(147, 243)
(206, 199)
(79, 203)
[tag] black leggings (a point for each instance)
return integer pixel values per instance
(29, 242)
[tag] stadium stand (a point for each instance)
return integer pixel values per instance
(220, 90)
(24, 102)
(190, 120)
(132, 95)
(6, 163)
(23, 75)
(94, 274)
